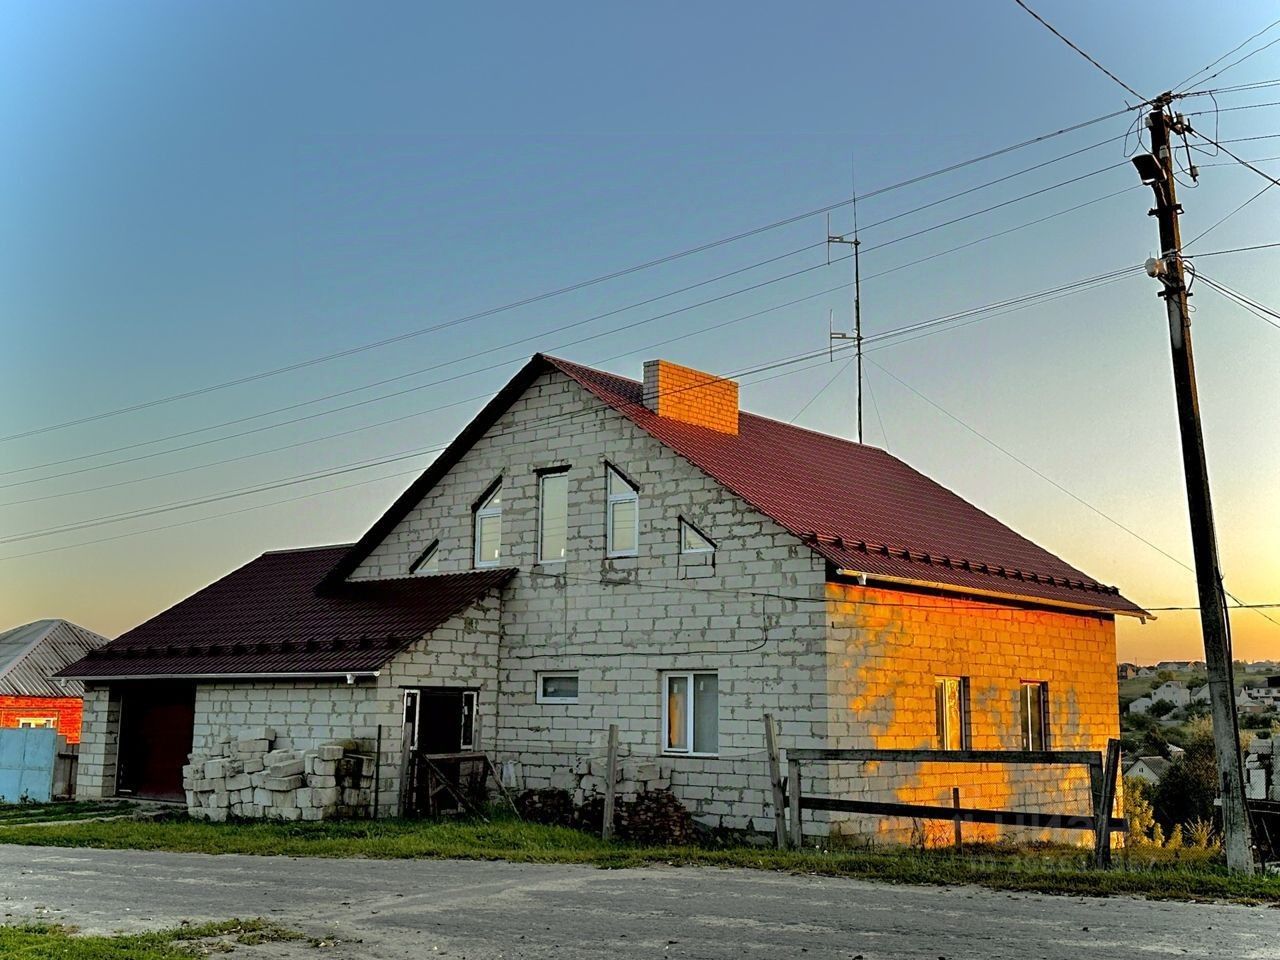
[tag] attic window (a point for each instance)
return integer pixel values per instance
(622, 518)
(488, 527)
(428, 560)
(693, 540)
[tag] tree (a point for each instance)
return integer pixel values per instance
(1187, 790)
(1162, 708)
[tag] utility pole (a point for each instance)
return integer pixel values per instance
(1157, 171)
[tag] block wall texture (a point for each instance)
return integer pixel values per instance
(65, 712)
(683, 393)
(99, 744)
(620, 623)
(885, 649)
(308, 714)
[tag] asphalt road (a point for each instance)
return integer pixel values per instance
(415, 909)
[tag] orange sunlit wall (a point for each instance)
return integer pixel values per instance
(63, 711)
(885, 650)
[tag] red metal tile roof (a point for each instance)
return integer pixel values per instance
(267, 618)
(858, 506)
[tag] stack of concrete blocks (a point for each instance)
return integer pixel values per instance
(247, 778)
(1261, 770)
(635, 776)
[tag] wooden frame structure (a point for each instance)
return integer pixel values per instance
(1103, 773)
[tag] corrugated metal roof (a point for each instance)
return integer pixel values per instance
(266, 618)
(30, 655)
(860, 507)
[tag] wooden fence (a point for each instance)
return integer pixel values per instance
(790, 800)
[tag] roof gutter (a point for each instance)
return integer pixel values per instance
(871, 578)
(348, 675)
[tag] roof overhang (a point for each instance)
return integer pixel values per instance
(325, 675)
(871, 579)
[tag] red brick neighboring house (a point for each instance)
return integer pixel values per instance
(29, 657)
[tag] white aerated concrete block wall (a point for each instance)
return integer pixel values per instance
(621, 622)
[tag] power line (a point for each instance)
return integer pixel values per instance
(1235, 63)
(1219, 253)
(1050, 27)
(505, 345)
(691, 251)
(347, 468)
(1258, 309)
(1182, 83)
(1054, 483)
(972, 314)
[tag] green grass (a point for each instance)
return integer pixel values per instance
(1165, 874)
(14, 814)
(51, 942)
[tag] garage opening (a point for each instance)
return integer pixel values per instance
(156, 724)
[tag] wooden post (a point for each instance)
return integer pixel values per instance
(405, 803)
(1102, 816)
(610, 783)
(377, 774)
(959, 828)
(793, 798)
(775, 780)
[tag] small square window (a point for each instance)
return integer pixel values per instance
(557, 688)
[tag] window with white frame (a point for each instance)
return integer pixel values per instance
(693, 540)
(428, 561)
(37, 722)
(951, 704)
(553, 516)
(488, 528)
(691, 713)
(622, 519)
(1033, 714)
(558, 687)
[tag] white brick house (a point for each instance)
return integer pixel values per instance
(647, 555)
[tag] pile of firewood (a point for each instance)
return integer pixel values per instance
(655, 818)
(549, 806)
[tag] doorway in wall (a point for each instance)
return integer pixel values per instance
(446, 769)
(156, 725)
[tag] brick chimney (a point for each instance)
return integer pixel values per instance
(683, 393)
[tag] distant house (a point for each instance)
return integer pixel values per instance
(1126, 671)
(1150, 769)
(1247, 703)
(1200, 694)
(29, 657)
(1173, 665)
(1146, 672)
(1141, 705)
(1174, 691)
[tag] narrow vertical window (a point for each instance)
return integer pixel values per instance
(951, 706)
(691, 715)
(467, 735)
(1033, 715)
(622, 520)
(488, 527)
(553, 516)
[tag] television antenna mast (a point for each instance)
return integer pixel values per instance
(832, 334)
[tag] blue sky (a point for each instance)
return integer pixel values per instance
(192, 193)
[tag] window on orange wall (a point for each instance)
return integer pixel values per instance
(36, 722)
(951, 703)
(1033, 714)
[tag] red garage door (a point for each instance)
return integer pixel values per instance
(156, 721)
